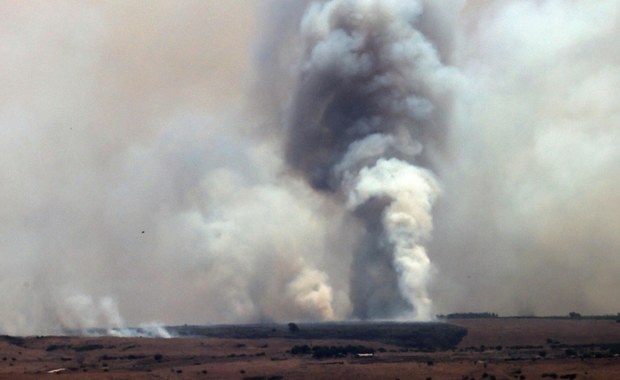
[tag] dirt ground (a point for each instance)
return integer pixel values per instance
(493, 349)
(532, 331)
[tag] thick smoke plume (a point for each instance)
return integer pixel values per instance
(222, 162)
(368, 98)
(132, 189)
(530, 204)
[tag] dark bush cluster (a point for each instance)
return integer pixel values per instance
(320, 352)
(14, 340)
(54, 347)
(126, 357)
(88, 347)
(301, 350)
(525, 347)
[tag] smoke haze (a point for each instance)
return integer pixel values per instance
(257, 161)
(529, 208)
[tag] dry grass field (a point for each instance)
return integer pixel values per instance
(493, 349)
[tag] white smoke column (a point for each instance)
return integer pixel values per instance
(150, 330)
(86, 315)
(311, 292)
(407, 222)
(132, 189)
(368, 112)
(82, 312)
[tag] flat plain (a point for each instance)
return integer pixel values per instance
(493, 348)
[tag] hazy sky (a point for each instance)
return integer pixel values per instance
(187, 121)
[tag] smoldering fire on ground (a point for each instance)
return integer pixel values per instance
(312, 160)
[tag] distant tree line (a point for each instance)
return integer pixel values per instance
(467, 315)
(571, 315)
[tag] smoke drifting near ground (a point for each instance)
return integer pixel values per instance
(530, 206)
(248, 161)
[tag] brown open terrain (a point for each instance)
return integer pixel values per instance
(499, 348)
(536, 331)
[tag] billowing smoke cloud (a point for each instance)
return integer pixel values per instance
(130, 187)
(370, 95)
(142, 181)
(527, 220)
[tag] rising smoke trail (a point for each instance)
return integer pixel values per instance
(134, 118)
(370, 101)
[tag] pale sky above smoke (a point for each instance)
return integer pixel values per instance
(123, 117)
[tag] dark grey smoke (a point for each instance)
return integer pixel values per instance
(371, 86)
